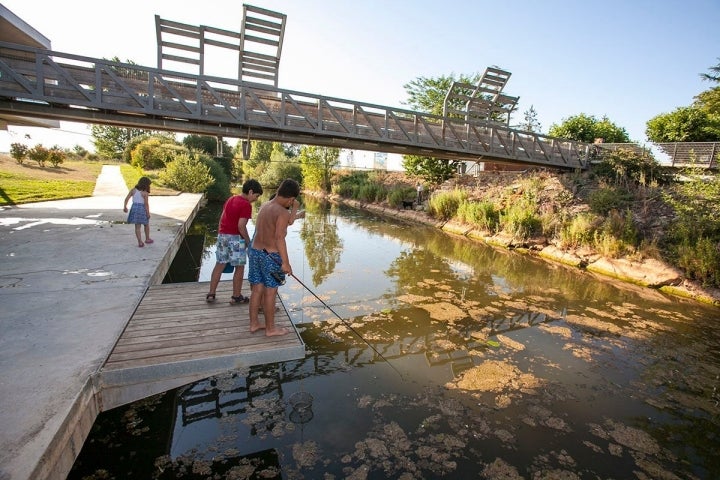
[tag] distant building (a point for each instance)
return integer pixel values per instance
(366, 160)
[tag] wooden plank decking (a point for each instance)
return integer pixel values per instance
(175, 337)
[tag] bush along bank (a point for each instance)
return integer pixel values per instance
(618, 231)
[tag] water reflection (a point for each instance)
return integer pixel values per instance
(322, 243)
(511, 368)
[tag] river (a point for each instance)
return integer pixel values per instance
(432, 356)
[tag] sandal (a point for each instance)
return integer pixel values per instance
(238, 300)
(210, 297)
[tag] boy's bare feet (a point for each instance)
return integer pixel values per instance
(276, 332)
(255, 328)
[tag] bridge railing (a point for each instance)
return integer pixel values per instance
(673, 154)
(36, 82)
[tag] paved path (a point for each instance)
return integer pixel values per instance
(71, 275)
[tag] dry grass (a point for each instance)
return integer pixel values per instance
(70, 170)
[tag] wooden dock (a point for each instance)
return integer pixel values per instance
(175, 337)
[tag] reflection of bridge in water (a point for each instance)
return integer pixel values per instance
(53, 85)
(216, 397)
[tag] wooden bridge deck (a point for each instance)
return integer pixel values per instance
(175, 337)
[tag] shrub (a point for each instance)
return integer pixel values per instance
(130, 146)
(55, 156)
(39, 154)
(603, 200)
(347, 185)
(19, 152)
(219, 189)
(399, 194)
(370, 192)
(700, 261)
(187, 174)
(444, 205)
(624, 167)
(155, 152)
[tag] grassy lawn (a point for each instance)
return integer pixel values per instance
(72, 179)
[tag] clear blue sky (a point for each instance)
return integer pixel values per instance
(628, 59)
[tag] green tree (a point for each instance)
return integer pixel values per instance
(714, 75)
(586, 128)
(430, 169)
(428, 95)
(699, 122)
(110, 141)
(280, 168)
(253, 167)
(317, 165)
(207, 144)
(684, 124)
(530, 122)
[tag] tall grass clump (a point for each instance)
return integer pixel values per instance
(370, 192)
(482, 214)
(617, 236)
(444, 205)
(521, 220)
(578, 231)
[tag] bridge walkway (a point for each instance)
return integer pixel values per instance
(55, 85)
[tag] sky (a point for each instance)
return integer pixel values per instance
(629, 60)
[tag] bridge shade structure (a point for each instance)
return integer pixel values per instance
(47, 84)
(484, 102)
(256, 48)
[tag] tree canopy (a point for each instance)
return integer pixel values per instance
(317, 165)
(110, 141)
(587, 128)
(698, 122)
(530, 122)
(428, 95)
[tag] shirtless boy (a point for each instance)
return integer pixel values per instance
(268, 257)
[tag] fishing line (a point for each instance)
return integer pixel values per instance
(340, 318)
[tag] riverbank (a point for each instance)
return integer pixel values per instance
(648, 273)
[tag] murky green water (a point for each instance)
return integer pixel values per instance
(484, 364)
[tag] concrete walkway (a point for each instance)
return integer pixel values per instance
(71, 276)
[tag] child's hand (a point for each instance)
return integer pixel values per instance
(125, 209)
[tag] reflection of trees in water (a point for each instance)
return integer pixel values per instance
(414, 266)
(319, 233)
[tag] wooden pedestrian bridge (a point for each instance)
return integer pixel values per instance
(41, 83)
